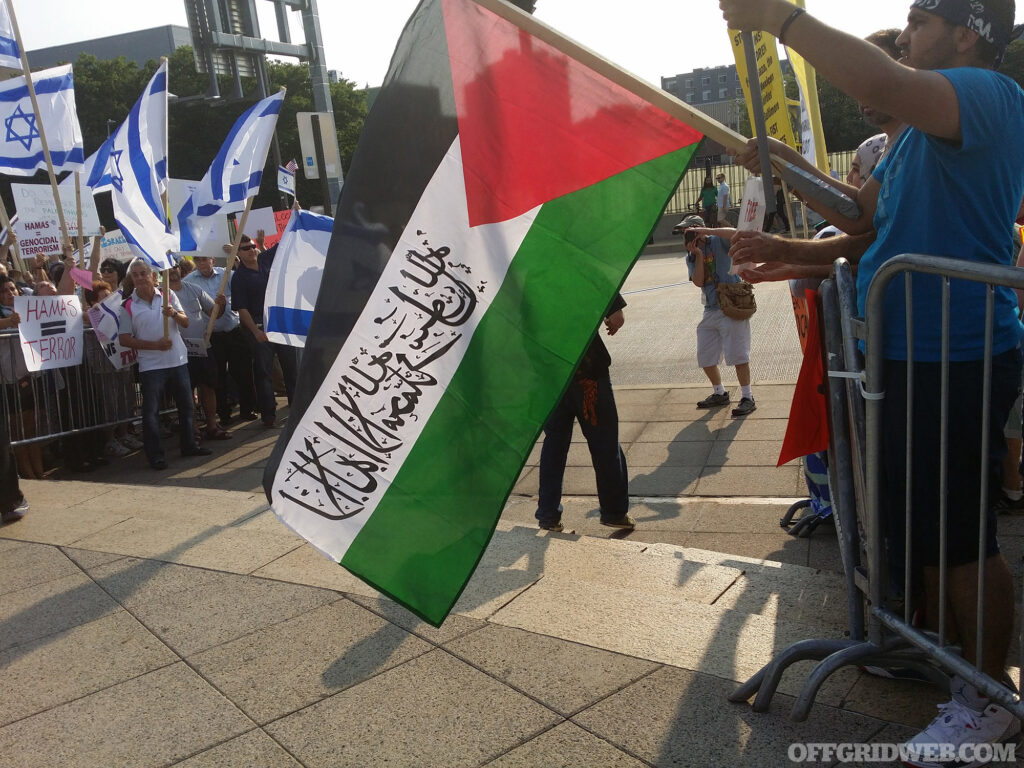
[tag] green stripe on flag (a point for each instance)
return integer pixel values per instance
(425, 537)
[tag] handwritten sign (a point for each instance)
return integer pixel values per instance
(50, 331)
(195, 346)
(37, 215)
(113, 245)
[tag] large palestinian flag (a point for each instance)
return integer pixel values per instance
(499, 195)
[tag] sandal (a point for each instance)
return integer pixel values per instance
(217, 434)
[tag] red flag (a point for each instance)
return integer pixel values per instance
(807, 431)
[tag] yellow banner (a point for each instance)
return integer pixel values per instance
(812, 139)
(769, 75)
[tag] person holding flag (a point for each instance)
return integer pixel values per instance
(962, 146)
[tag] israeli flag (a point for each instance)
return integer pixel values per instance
(132, 163)
(10, 55)
(295, 278)
(236, 172)
(21, 150)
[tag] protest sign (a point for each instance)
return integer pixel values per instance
(36, 207)
(119, 357)
(50, 331)
(115, 246)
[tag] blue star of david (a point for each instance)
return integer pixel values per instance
(25, 139)
(116, 177)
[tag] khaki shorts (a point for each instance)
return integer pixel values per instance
(719, 336)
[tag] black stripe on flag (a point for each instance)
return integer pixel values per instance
(53, 328)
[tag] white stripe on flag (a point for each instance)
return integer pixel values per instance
(235, 173)
(10, 55)
(21, 149)
(295, 277)
(132, 163)
(409, 314)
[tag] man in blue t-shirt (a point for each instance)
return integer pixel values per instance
(718, 337)
(961, 161)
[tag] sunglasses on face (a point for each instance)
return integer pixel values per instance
(247, 247)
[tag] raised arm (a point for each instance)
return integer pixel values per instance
(918, 97)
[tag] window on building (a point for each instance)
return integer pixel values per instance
(739, 93)
(670, 84)
(723, 93)
(705, 81)
(689, 82)
(707, 96)
(689, 97)
(723, 78)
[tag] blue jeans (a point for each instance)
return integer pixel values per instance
(263, 365)
(601, 429)
(176, 383)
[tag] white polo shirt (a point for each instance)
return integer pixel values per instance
(145, 321)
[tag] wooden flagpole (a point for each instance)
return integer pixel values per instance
(78, 209)
(5, 221)
(39, 122)
(239, 231)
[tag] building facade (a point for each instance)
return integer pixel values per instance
(140, 47)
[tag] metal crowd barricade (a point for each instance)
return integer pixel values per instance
(881, 630)
(45, 405)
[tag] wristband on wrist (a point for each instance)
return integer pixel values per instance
(797, 13)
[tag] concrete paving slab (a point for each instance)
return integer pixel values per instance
(51, 607)
(52, 494)
(564, 676)
(152, 720)
(446, 712)
(210, 506)
(279, 669)
(663, 480)
(754, 429)
(757, 481)
(745, 453)
(513, 562)
(46, 672)
(62, 525)
(686, 723)
(703, 638)
(704, 428)
(679, 454)
(254, 749)
(453, 627)
(192, 610)
(134, 581)
(649, 395)
(566, 746)
(194, 542)
(780, 547)
(909, 703)
(526, 485)
(30, 564)
(305, 565)
(577, 560)
(86, 558)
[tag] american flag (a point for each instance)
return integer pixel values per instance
(292, 166)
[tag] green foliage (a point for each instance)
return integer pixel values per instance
(841, 121)
(107, 90)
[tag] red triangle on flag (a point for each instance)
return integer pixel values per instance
(535, 124)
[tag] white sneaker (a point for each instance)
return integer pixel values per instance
(17, 513)
(116, 449)
(950, 738)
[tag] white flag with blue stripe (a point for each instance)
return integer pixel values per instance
(21, 151)
(10, 55)
(295, 278)
(132, 163)
(236, 172)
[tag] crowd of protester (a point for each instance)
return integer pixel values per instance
(227, 376)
